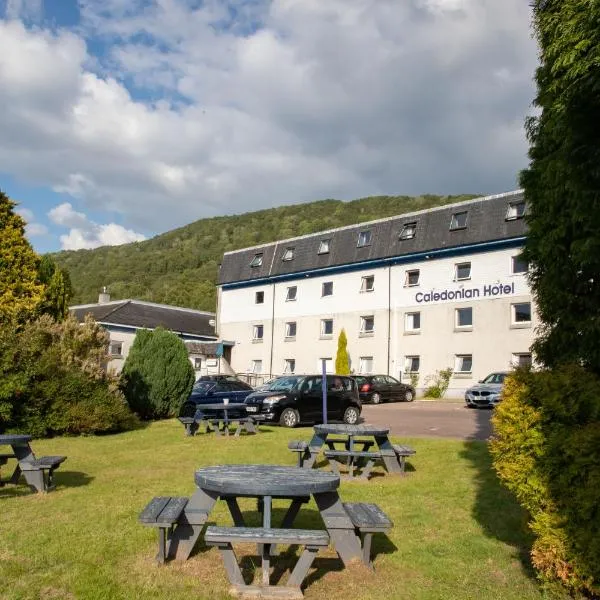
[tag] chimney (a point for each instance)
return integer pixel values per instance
(103, 296)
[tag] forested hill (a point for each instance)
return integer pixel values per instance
(180, 267)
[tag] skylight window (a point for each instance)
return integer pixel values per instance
(364, 238)
(409, 230)
(257, 260)
(288, 254)
(324, 246)
(459, 220)
(516, 210)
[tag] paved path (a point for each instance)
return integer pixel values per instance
(431, 419)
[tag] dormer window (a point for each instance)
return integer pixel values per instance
(516, 210)
(288, 254)
(409, 230)
(459, 221)
(364, 238)
(257, 260)
(324, 247)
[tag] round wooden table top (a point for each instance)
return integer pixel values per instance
(265, 480)
(342, 429)
(14, 438)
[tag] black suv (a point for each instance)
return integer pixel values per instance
(212, 389)
(292, 399)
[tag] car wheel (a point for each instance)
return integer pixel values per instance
(188, 410)
(351, 415)
(376, 398)
(289, 418)
(409, 396)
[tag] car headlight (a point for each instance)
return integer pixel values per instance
(273, 399)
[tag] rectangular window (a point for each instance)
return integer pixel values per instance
(459, 220)
(326, 327)
(256, 366)
(324, 246)
(518, 265)
(290, 295)
(288, 254)
(521, 312)
(366, 364)
(257, 260)
(463, 363)
(367, 324)
(197, 362)
(515, 210)
(364, 238)
(116, 349)
(289, 366)
(412, 321)
(328, 365)
(464, 317)
(290, 329)
(258, 332)
(327, 288)
(412, 364)
(408, 231)
(462, 271)
(259, 297)
(367, 283)
(522, 359)
(412, 278)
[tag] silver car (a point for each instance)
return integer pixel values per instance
(487, 392)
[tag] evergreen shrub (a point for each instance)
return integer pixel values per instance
(546, 449)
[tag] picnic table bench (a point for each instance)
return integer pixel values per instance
(38, 472)
(216, 417)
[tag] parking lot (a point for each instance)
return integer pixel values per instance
(431, 419)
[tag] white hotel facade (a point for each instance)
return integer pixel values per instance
(415, 293)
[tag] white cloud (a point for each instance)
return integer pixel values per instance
(24, 9)
(84, 233)
(32, 228)
(291, 101)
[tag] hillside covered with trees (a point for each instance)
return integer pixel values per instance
(180, 267)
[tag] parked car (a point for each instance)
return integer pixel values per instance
(383, 388)
(292, 399)
(488, 392)
(213, 389)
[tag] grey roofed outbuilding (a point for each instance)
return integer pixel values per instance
(487, 222)
(148, 315)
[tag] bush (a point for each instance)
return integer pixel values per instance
(437, 384)
(546, 449)
(157, 376)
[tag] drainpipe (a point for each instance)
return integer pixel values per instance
(389, 328)
(272, 333)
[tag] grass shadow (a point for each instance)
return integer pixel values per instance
(71, 479)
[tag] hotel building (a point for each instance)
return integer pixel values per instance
(415, 294)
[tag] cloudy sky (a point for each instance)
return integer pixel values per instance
(121, 119)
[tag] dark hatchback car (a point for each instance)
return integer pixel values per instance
(383, 388)
(292, 399)
(213, 389)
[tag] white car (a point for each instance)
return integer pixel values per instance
(487, 392)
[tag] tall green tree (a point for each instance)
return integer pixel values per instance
(342, 360)
(157, 375)
(58, 290)
(562, 183)
(20, 291)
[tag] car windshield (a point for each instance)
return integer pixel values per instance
(360, 380)
(201, 387)
(281, 384)
(495, 378)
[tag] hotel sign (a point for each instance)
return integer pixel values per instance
(485, 291)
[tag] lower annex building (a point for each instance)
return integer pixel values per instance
(415, 294)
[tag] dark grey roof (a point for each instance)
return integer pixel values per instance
(206, 348)
(135, 313)
(486, 223)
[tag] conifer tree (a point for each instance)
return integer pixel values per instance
(342, 360)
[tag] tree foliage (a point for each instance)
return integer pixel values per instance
(20, 291)
(180, 267)
(157, 376)
(342, 360)
(57, 288)
(562, 183)
(53, 381)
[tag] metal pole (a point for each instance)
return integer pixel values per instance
(324, 388)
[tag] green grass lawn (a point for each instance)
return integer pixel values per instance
(457, 533)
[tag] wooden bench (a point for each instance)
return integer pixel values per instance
(352, 456)
(402, 452)
(163, 513)
(301, 447)
(246, 423)
(367, 520)
(363, 445)
(224, 537)
(40, 471)
(191, 425)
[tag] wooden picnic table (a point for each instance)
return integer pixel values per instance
(220, 417)
(28, 465)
